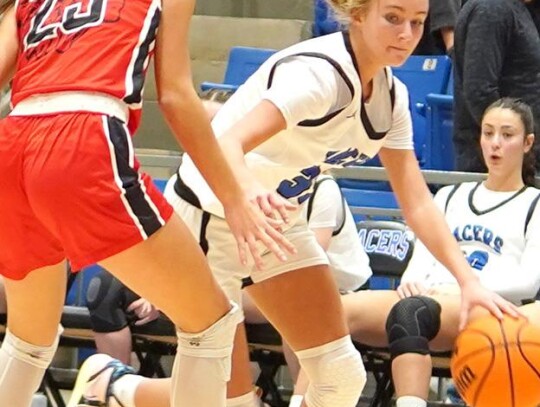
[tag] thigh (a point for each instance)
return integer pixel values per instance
(366, 313)
(36, 304)
(304, 305)
(170, 270)
(450, 309)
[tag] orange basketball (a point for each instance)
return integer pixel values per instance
(497, 363)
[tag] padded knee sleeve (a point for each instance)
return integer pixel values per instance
(22, 366)
(215, 341)
(202, 365)
(37, 356)
(336, 374)
(411, 324)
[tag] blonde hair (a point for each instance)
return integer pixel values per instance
(345, 9)
(5, 4)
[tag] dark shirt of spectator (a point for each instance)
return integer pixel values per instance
(439, 24)
(496, 54)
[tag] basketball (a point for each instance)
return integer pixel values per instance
(497, 363)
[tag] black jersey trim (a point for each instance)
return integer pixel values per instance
(479, 212)
(337, 67)
(530, 213)
(185, 192)
(312, 198)
(450, 195)
(134, 193)
(139, 71)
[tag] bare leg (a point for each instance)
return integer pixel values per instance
(35, 307)
(304, 306)
(417, 385)
(366, 313)
(170, 270)
(116, 344)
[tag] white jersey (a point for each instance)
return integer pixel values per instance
(327, 208)
(316, 86)
(499, 234)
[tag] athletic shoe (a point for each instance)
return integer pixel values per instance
(96, 377)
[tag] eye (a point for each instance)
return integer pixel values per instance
(487, 133)
(417, 23)
(393, 18)
(507, 135)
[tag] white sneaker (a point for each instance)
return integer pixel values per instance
(93, 387)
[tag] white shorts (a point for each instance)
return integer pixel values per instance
(219, 245)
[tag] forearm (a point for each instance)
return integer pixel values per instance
(234, 153)
(9, 47)
(187, 118)
(437, 237)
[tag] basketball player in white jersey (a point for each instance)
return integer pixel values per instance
(497, 226)
(326, 102)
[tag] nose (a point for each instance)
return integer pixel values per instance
(496, 140)
(406, 33)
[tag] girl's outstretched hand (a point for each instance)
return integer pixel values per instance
(260, 218)
(474, 294)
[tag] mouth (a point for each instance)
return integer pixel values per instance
(399, 49)
(495, 158)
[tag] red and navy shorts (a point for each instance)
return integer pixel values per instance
(70, 187)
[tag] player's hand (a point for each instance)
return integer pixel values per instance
(474, 294)
(144, 311)
(410, 288)
(252, 220)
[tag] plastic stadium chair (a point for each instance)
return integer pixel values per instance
(423, 75)
(440, 124)
(242, 63)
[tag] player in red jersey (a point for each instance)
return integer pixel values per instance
(71, 187)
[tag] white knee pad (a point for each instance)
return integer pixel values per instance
(214, 342)
(38, 356)
(336, 374)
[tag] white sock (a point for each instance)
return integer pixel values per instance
(410, 401)
(247, 400)
(296, 400)
(124, 389)
(22, 366)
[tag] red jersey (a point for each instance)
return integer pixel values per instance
(86, 45)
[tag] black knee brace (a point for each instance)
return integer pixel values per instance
(411, 324)
(107, 300)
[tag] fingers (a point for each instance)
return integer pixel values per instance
(242, 250)
(135, 304)
(282, 206)
(401, 293)
(463, 315)
(508, 308)
(263, 202)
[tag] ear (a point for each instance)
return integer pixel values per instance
(529, 141)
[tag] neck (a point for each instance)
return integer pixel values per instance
(508, 183)
(367, 65)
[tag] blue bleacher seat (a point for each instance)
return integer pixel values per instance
(423, 75)
(440, 124)
(242, 63)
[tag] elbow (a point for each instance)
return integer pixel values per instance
(174, 100)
